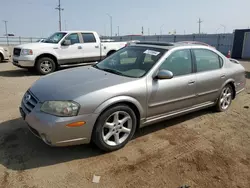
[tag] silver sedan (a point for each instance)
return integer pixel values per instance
(139, 85)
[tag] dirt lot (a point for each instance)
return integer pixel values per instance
(202, 149)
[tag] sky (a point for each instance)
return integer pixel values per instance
(39, 18)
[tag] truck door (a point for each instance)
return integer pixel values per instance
(91, 49)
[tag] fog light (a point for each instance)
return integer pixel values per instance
(45, 139)
(76, 124)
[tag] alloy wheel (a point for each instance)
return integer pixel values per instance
(117, 128)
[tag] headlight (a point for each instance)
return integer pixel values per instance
(26, 52)
(61, 108)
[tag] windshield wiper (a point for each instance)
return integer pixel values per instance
(112, 71)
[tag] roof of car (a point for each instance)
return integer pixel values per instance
(164, 45)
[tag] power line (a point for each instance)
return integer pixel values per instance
(59, 11)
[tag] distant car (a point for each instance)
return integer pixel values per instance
(4, 54)
(195, 42)
(138, 85)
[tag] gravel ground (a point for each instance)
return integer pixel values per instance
(202, 149)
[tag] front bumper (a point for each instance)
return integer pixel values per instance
(23, 61)
(53, 130)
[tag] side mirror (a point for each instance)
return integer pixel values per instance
(164, 74)
(66, 43)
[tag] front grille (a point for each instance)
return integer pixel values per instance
(29, 102)
(16, 51)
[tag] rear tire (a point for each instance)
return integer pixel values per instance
(225, 99)
(45, 65)
(114, 128)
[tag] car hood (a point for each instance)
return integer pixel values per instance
(36, 45)
(73, 83)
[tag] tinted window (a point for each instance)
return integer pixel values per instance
(74, 38)
(131, 61)
(179, 62)
(88, 38)
(207, 60)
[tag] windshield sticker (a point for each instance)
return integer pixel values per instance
(151, 52)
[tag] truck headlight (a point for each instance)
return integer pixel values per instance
(26, 52)
(61, 108)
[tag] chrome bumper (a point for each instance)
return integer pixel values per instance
(21, 63)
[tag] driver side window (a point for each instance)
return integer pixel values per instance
(179, 63)
(74, 38)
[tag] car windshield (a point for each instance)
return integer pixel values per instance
(55, 38)
(131, 61)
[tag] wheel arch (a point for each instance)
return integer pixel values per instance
(230, 82)
(127, 100)
(111, 52)
(47, 55)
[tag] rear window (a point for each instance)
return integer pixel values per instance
(88, 38)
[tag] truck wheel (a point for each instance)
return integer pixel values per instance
(45, 65)
(114, 128)
(1, 57)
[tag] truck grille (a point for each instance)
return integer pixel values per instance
(16, 51)
(29, 102)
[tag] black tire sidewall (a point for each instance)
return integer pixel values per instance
(1, 57)
(219, 108)
(38, 68)
(97, 131)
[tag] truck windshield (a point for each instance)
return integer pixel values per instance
(131, 61)
(55, 38)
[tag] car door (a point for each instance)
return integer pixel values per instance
(209, 75)
(90, 48)
(172, 95)
(70, 53)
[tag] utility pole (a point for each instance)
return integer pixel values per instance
(161, 29)
(6, 31)
(142, 30)
(118, 30)
(60, 18)
(111, 27)
(200, 25)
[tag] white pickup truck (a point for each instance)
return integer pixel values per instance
(65, 48)
(4, 54)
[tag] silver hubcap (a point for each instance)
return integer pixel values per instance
(117, 128)
(226, 98)
(46, 66)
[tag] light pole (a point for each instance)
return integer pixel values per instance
(110, 24)
(161, 29)
(118, 30)
(6, 31)
(224, 28)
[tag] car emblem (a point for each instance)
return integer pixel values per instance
(27, 97)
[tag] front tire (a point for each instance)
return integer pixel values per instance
(225, 99)
(114, 128)
(45, 65)
(1, 57)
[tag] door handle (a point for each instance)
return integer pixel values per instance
(223, 76)
(96, 46)
(191, 82)
(79, 47)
